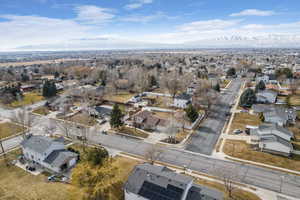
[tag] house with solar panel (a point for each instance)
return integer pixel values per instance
(150, 182)
(49, 153)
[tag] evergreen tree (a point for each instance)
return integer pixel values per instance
(248, 98)
(49, 89)
(231, 72)
(191, 113)
(116, 117)
(217, 87)
(260, 86)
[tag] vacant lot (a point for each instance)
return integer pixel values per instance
(294, 100)
(119, 98)
(82, 118)
(42, 110)
(240, 121)
(242, 150)
(8, 129)
(29, 98)
(164, 115)
(162, 102)
(17, 184)
(132, 131)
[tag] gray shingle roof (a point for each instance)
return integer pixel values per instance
(59, 157)
(37, 143)
(274, 138)
(271, 128)
(184, 96)
(199, 192)
(157, 175)
(146, 178)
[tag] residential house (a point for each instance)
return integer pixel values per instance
(274, 144)
(182, 100)
(266, 96)
(146, 120)
(150, 182)
(48, 153)
(264, 78)
(273, 129)
(276, 114)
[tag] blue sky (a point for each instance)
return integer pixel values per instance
(111, 24)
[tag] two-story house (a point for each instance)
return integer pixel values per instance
(48, 152)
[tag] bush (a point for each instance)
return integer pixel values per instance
(96, 156)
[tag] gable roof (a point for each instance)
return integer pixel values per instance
(272, 128)
(38, 143)
(59, 157)
(159, 181)
(273, 138)
(184, 96)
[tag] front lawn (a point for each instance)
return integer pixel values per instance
(132, 131)
(28, 98)
(42, 110)
(237, 194)
(8, 129)
(294, 100)
(17, 184)
(119, 98)
(240, 121)
(162, 102)
(82, 118)
(242, 150)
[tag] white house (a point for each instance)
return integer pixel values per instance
(48, 152)
(182, 100)
(274, 144)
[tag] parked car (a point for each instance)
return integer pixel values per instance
(30, 168)
(237, 131)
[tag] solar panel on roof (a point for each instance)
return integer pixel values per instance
(156, 192)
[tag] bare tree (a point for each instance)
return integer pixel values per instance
(50, 127)
(153, 153)
(171, 130)
(65, 127)
(172, 83)
(205, 97)
(229, 176)
(23, 118)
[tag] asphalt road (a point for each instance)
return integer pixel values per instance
(261, 177)
(207, 135)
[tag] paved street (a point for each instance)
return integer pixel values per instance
(209, 131)
(261, 177)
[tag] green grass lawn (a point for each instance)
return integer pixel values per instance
(29, 98)
(8, 129)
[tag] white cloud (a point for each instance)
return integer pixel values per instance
(137, 4)
(144, 18)
(90, 14)
(253, 12)
(208, 25)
